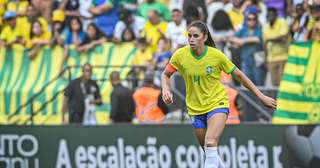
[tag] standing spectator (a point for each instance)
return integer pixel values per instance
(86, 16)
(298, 27)
(128, 20)
(32, 15)
(221, 29)
(93, 38)
(236, 15)
(106, 14)
(150, 107)
(154, 29)
(315, 16)
(250, 6)
(213, 6)
(129, 4)
(249, 40)
(279, 5)
(81, 95)
(199, 5)
(176, 28)
(38, 39)
(161, 9)
(71, 8)
(57, 28)
(122, 104)
(44, 6)
(143, 57)
(275, 35)
(11, 33)
(161, 58)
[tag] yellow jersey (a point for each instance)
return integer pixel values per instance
(204, 91)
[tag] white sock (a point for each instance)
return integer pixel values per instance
(212, 157)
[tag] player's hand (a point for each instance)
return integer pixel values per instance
(269, 102)
(167, 96)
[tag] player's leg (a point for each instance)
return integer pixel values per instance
(199, 123)
(215, 126)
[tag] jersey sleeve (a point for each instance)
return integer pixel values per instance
(225, 64)
(174, 60)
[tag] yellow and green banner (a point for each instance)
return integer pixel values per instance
(299, 91)
(21, 79)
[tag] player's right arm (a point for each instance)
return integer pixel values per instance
(165, 83)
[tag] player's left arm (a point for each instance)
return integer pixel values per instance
(245, 81)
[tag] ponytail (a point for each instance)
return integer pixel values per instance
(209, 41)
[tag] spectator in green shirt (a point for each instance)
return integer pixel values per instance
(152, 4)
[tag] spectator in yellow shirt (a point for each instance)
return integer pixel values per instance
(38, 39)
(143, 57)
(275, 35)
(11, 33)
(154, 29)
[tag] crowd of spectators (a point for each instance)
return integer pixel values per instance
(255, 34)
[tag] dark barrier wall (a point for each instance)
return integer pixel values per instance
(155, 146)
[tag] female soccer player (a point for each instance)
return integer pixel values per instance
(200, 64)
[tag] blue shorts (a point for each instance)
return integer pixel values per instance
(200, 121)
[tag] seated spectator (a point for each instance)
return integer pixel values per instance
(275, 35)
(176, 28)
(144, 8)
(128, 35)
(11, 33)
(93, 38)
(106, 15)
(298, 27)
(249, 41)
(154, 29)
(150, 107)
(38, 39)
(57, 28)
(128, 20)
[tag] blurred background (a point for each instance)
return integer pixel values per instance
(98, 62)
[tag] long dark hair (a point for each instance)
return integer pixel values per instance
(204, 29)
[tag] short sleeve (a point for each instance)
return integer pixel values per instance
(225, 64)
(174, 61)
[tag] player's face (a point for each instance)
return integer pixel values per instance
(196, 38)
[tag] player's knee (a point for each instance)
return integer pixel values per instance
(211, 142)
